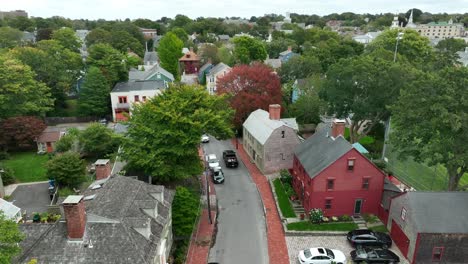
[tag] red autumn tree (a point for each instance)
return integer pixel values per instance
(250, 87)
(21, 131)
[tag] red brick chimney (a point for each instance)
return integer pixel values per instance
(75, 216)
(338, 127)
(275, 111)
(103, 168)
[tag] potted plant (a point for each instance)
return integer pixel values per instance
(302, 216)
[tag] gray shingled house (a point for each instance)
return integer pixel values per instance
(270, 141)
(430, 227)
(119, 220)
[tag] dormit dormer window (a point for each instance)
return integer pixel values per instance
(351, 163)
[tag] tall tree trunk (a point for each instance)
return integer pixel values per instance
(454, 177)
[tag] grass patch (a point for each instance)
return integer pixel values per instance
(65, 191)
(27, 166)
(308, 226)
(283, 200)
(379, 228)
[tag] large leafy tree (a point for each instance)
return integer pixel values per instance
(279, 45)
(21, 132)
(250, 87)
(430, 121)
(308, 107)
(98, 141)
(67, 38)
(362, 88)
(20, 93)
(164, 133)
(98, 35)
(248, 49)
(124, 41)
(10, 37)
(67, 169)
(94, 94)
(9, 240)
(170, 51)
(299, 67)
(110, 61)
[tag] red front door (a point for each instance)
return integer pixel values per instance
(400, 239)
(49, 147)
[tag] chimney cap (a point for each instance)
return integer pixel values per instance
(101, 162)
(73, 199)
(336, 120)
(275, 106)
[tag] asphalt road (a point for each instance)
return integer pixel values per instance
(241, 236)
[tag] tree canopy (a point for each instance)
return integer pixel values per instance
(21, 132)
(250, 87)
(67, 169)
(98, 141)
(10, 239)
(110, 61)
(299, 67)
(164, 133)
(94, 95)
(430, 121)
(170, 51)
(248, 49)
(67, 38)
(9, 37)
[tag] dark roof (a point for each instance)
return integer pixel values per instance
(115, 218)
(320, 151)
(150, 57)
(438, 212)
(139, 86)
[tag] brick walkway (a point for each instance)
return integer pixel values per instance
(277, 249)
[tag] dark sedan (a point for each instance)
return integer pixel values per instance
(365, 237)
(371, 255)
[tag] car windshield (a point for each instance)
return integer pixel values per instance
(361, 253)
(330, 253)
(213, 160)
(307, 253)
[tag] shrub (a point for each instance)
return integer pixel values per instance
(370, 218)
(8, 176)
(285, 177)
(345, 218)
(334, 219)
(4, 155)
(67, 169)
(316, 215)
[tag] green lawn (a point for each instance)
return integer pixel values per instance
(27, 166)
(380, 228)
(309, 226)
(283, 200)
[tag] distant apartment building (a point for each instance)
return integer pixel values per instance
(15, 13)
(441, 30)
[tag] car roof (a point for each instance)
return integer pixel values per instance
(229, 151)
(211, 156)
(316, 251)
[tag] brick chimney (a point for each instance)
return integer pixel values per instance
(275, 111)
(75, 216)
(338, 127)
(103, 169)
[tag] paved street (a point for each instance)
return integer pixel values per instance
(298, 243)
(241, 236)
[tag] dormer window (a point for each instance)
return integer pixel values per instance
(351, 163)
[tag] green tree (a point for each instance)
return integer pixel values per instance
(10, 37)
(170, 51)
(94, 94)
(362, 88)
(10, 239)
(68, 169)
(110, 61)
(430, 121)
(209, 52)
(225, 55)
(277, 46)
(308, 107)
(21, 23)
(247, 49)
(299, 67)
(122, 41)
(20, 93)
(69, 141)
(180, 33)
(451, 45)
(98, 35)
(164, 133)
(98, 141)
(184, 211)
(67, 38)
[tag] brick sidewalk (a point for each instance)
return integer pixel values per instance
(277, 249)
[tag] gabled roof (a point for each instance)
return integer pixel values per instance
(118, 227)
(138, 75)
(320, 151)
(139, 86)
(150, 57)
(218, 68)
(205, 67)
(261, 126)
(189, 56)
(438, 212)
(49, 136)
(286, 52)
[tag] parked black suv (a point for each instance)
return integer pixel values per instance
(365, 237)
(230, 158)
(371, 255)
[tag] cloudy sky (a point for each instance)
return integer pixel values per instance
(155, 9)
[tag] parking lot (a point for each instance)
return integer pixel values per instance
(298, 243)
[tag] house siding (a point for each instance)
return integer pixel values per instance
(212, 80)
(455, 248)
(130, 99)
(159, 76)
(407, 225)
(278, 150)
(347, 186)
(253, 147)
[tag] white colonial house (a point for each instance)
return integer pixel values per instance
(125, 94)
(212, 76)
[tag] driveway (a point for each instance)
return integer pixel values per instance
(241, 236)
(32, 197)
(298, 243)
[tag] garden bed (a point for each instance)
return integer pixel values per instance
(309, 226)
(283, 200)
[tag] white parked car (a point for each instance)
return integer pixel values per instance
(205, 138)
(321, 256)
(213, 162)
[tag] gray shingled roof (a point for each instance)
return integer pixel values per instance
(261, 126)
(218, 68)
(224, 37)
(137, 75)
(320, 151)
(150, 57)
(274, 63)
(112, 217)
(139, 86)
(438, 212)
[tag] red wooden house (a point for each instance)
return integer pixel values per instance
(330, 174)
(190, 62)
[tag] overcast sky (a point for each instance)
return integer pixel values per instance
(155, 9)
